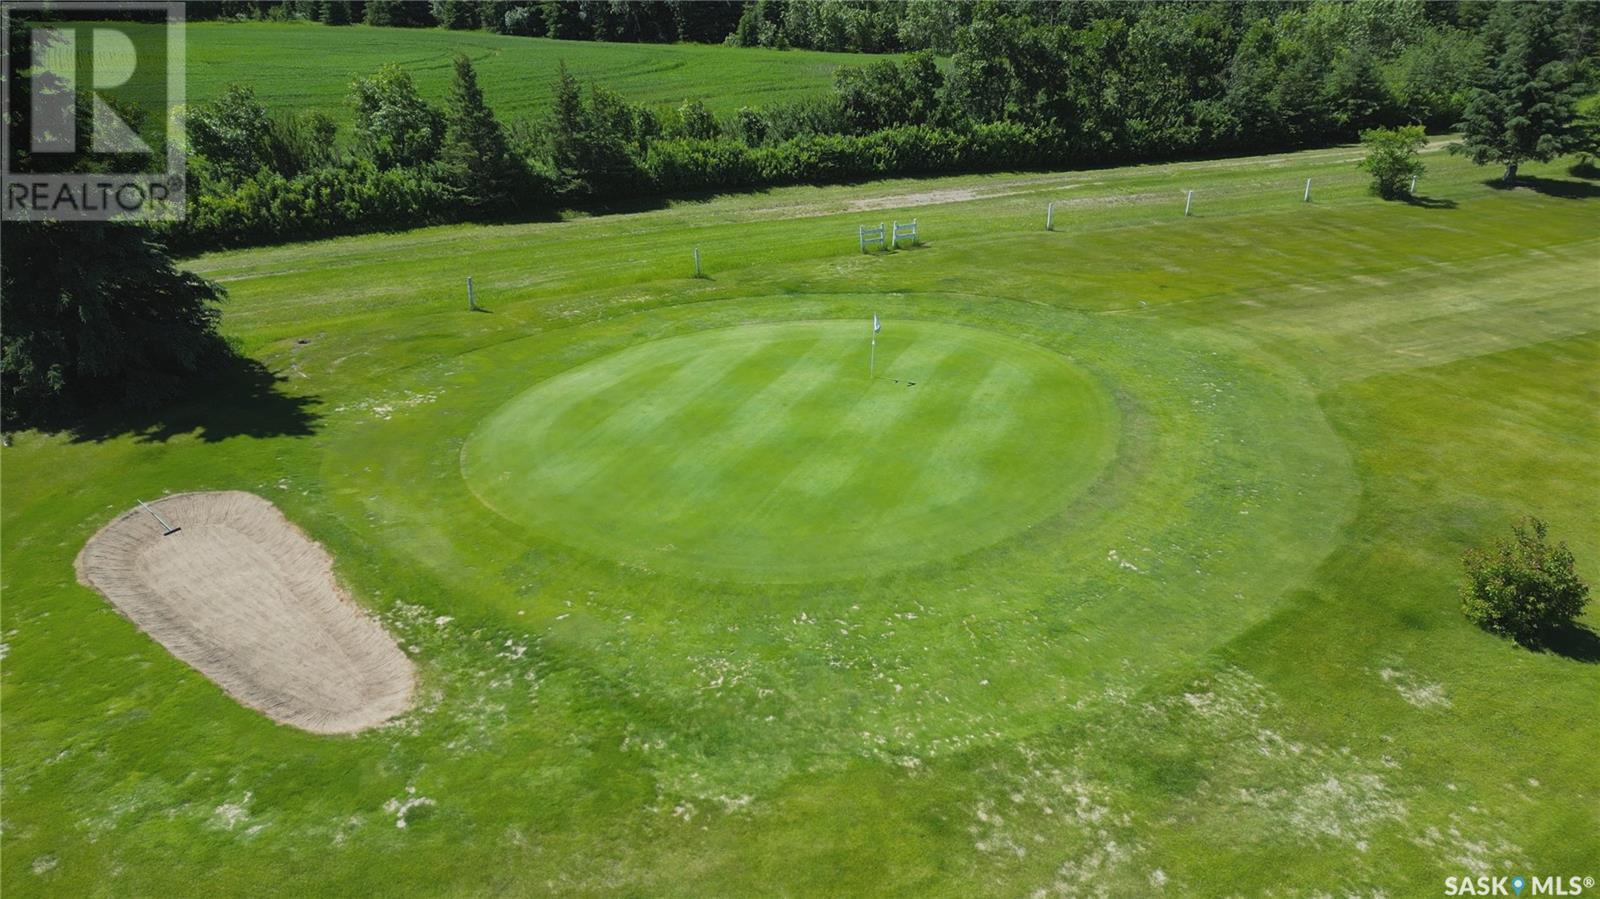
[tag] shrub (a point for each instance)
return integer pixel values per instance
(343, 199)
(1392, 159)
(682, 166)
(1524, 587)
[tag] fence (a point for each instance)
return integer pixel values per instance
(871, 236)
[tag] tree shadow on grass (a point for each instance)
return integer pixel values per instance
(1585, 169)
(1572, 641)
(234, 397)
(1423, 202)
(1550, 187)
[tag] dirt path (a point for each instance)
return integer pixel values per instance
(1055, 182)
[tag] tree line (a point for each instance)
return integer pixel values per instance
(853, 26)
(1020, 90)
(630, 21)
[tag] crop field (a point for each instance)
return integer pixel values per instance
(304, 67)
(1125, 562)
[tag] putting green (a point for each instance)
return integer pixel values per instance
(767, 453)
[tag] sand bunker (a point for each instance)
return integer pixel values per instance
(250, 601)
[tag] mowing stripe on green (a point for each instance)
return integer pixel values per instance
(768, 453)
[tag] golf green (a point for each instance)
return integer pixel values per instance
(769, 453)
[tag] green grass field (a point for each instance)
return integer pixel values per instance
(1148, 584)
(305, 66)
(764, 453)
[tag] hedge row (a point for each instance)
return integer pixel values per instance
(355, 197)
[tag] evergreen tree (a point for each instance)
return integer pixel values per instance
(95, 313)
(1357, 90)
(337, 12)
(475, 156)
(566, 130)
(589, 144)
(1526, 108)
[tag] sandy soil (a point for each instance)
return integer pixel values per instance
(248, 600)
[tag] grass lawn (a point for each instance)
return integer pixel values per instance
(1149, 582)
(771, 452)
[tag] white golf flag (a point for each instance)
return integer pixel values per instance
(872, 358)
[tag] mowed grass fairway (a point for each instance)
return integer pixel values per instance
(1149, 584)
(769, 452)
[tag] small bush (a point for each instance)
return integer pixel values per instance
(1392, 159)
(1524, 587)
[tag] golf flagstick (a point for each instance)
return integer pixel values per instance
(872, 355)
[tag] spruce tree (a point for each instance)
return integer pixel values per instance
(1526, 106)
(567, 132)
(475, 155)
(95, 313)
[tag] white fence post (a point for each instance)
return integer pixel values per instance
(878, 235)
(472, 299)
(1049, 216)
(1307, 197)
(1188, 201)
(1413, 184)
(697, 262)
(903, 230)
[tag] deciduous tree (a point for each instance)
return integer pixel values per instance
(394, 126)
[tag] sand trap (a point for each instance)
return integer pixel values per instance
(246, 598)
